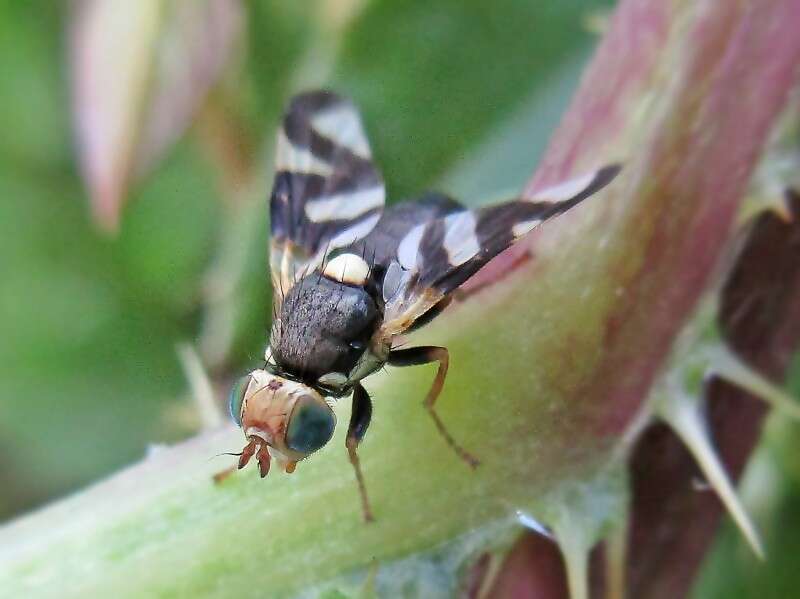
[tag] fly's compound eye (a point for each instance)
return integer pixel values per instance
(236, 398)
(310, 425)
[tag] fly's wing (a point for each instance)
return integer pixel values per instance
(436, 257)
(327, 193)
(380, 247)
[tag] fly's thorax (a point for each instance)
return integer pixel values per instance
(325, 327)
(289, 417)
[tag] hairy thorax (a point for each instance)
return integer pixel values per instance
(324, 327)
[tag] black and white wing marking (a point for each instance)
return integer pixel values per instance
(327, 192)
(436, 257)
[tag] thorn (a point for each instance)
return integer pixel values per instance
(579, 514)
(533, 524)
(209, 410)
(575, 548)
(617, 559)
(729, 367)
(368, 588)
(681, 413)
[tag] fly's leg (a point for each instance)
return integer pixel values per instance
(359, 422)
(223, 475)
(415, 356)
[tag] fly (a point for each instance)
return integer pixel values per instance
(349, 276)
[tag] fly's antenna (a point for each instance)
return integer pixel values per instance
(213, 457)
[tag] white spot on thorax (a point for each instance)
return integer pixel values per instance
(347, 268)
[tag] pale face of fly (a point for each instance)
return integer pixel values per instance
(281, 419)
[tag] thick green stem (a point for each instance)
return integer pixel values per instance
(549, 366)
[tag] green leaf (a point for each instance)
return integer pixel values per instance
(434, 78)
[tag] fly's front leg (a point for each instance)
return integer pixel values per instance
(415, 356)
(223, 475)
(359, 422)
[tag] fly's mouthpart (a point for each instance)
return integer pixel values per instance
(263, 460)
(261, 451)
(264, 453)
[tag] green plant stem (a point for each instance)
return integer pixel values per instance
(549, 365)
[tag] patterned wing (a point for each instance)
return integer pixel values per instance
(436, 257)
(327, 192)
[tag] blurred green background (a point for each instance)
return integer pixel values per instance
(457, 95)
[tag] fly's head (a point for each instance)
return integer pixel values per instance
(281, 419)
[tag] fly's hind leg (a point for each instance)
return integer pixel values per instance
(415, 356)
(359, 422)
